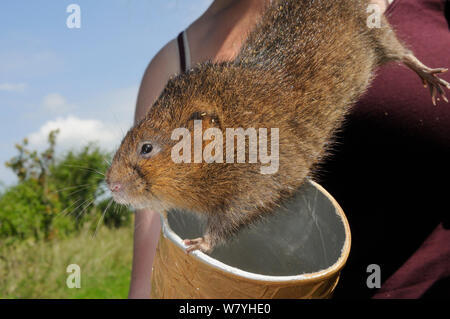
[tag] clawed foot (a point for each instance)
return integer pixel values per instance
(430, 79)
(200, 243)
(434, 83)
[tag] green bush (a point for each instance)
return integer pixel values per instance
(55, 197)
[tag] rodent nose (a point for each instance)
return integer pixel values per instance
(115, 187)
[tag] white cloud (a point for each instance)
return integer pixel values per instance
(104, 118)
(75, 133)
(13, 87)
(55, 102)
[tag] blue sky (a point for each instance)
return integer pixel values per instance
(84, 81)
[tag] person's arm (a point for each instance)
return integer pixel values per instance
(147, 223)
(165, 64)
(146, 235)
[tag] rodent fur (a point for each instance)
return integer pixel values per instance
(301, 69)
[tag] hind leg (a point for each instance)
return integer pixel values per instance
(429, 77)
(391, 49)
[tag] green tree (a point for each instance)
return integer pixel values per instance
(55, 197)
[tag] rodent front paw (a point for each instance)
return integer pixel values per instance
(200, 243)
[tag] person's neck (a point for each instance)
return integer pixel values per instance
(219, 32)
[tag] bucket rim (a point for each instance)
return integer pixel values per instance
(315, 276)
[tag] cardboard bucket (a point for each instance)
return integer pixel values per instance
(297, 252)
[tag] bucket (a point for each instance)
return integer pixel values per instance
(296, 252)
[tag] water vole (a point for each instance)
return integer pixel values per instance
(299, 72)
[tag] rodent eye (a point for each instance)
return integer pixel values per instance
(146, 149)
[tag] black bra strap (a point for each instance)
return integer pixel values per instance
(182, 53)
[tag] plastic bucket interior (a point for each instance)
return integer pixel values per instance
(296, 252)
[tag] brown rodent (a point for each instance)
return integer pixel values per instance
(300, 70)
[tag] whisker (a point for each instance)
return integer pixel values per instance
(84, 209)
(102, 216)
(78, 206)
(69, 187)
(146, 216)
(85, 168)
(77, 191)
(74, 203)
(114, 208)
(117, 208)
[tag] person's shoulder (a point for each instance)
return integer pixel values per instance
(167, 59)
(164, 64)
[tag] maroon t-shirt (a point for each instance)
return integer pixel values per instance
(390, 169)
(397, 95)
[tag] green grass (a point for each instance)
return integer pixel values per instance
(38, 269)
